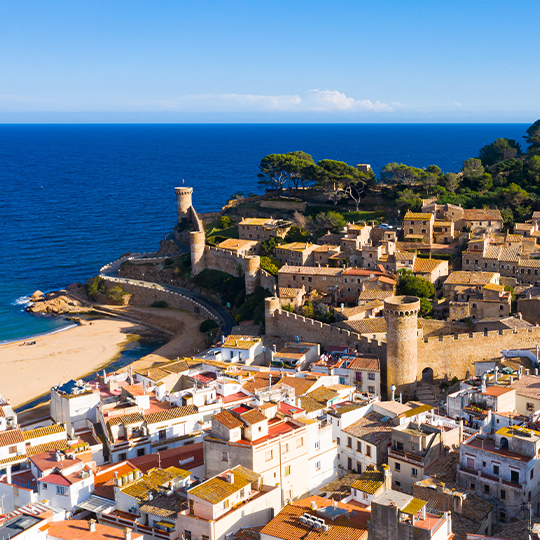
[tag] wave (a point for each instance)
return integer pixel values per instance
(22, 301)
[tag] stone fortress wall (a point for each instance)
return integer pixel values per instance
(205, 257)
(447, 356)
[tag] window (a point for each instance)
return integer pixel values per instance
(486, 488)
(122, 456)
(338, 441)
(269, 455)
(358, 446)
(187, 535)
(366, 495)
(287, 470)
(225, 456)
(205, 537)
(371, 389)
(473, 486)
(483, 463)
(368, 451)
(470, 463)
(242, 493)
(358, 467)
(61, 490)
(532, 474)
(12, 450)
(514, 477)
(397, 466)
(44, 485)
(317, 465)
(349, 464)
(530, 406)
(226, 504)
(349, 442)
(503, 515)
(496, 470)
(371, 376)
(317, 445)
(414, 472)
(503, 494)
(286, 448)
(300, 442)
(398, 484)
(140, 452)
(162, 434)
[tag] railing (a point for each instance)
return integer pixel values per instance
(405, 456)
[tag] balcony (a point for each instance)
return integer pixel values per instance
(406, 456)
(495, 479)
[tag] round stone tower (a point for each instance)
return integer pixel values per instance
(401, 314)
(183, 202)
(197, 243)
(252, 264)
(272, 306)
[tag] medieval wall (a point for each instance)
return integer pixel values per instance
(529, 309)
(456, 355)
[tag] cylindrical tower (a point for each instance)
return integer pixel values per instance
(183, 202)
(197, 243)
(271, 307)
(252, 264)
(401, 314)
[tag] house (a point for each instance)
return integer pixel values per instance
(396, 515)
(480, 220)
(418, 226)
(262, 228)
(433, 270)
(323, 279)
(296, 254)
(503, 467)
(317, 517)
(241, 248)
(296, 355)
(527, 389)
(242, 349)
(370, 484)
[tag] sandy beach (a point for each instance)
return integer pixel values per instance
(29, 371)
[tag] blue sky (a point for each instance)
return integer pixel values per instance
(269, 61)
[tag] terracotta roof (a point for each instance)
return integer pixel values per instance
(253, 416)
(228, 420)
(152, 482)
(289, 292)
(310, 270)
(240, 342)
(235, 244)
(169, 414)
(287, 525)
(218, 489)
(187, 457)
(367, 363)
(375, 325)
(260, 380)
(104, 480)
(179, 366)
(295, 246)
(414, 216)
(43, 431)
(60, 444)
(369, 481)
(370, 428)
(479, 214)
(167, 506)
(126, 419)
(374, 294)
(426, 265)
(79, 530)
(311, 405)
(301, 385)
(11, 437)
(153, 373)
(527, 386)
(529, 263)
(469, 278)
(55, 478)
(323, 395)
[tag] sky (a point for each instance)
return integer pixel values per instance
(269, 61)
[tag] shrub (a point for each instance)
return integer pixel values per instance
(160, 304)
(225, 222)
(95, 286)
(116, 293)
(208, 325)
(270, 265)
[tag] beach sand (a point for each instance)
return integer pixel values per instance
(29, 371)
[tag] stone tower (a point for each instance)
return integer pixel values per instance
(183, 202)
(197, 244)
(401, 314)
(271, 306)
(252, 265)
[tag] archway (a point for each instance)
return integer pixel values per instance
(427, 375)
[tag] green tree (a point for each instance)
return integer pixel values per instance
(411, 285)
(337, 177)
(268, 247)
(95, 286)
(332, 221)
(400, 174)
(494, 152)
(408, 200)
(286, 170)
(472, 168)
(451, 182)
(515, 195)
(270, 264)
(428, 181)
(297, 234)
(533, 138)
(116, 293)
(426, 307)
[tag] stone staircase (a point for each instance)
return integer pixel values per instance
(424, 393)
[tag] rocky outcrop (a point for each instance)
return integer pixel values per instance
(56, 303)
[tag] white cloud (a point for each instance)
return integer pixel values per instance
(458, 104)
(332, 100)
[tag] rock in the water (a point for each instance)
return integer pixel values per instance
(37, 296)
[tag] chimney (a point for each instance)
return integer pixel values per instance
(313, 505)
(229, 477)
(496, 373)
(393, 392)
(127, 534)
(483, 389)
(536, 371)
(92, 525)
(342, 306)
(440, 487)
(527, 372)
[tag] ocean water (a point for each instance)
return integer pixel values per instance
(74, 197)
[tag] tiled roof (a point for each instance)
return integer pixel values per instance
(469, 278)
(310, 270)
(256, 221)
(426, 265)
(167, 506)
(61, 444)
(240, 342)
(218, 489)
(527, 386)
(178, 366)
(287, 525)
(323, 395)
(79, 530)
(228, 420)
(404, 256)
(374, 294)
(479, 214)
(153, 373)
(368, 363)
(152, 482)
(248, 533)
(301, 385)
(289, 292)
(126, 419)
(311, 405)
(134, 389)
(56, 479)
(375, 325)
(11, 437)
(370, 428)
(169, 414)
(253, 416)
(529, 263)
(259, 381)
(104, 480)
(417, 216)
(493, 287)
(235, 244)
(43, 431)
(369, 481)
(295, 246)
(523, 226)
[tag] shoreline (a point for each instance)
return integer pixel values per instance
(40, 334)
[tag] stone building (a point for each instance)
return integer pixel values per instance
(418, 226)
(262, 228)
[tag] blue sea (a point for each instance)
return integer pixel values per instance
(75, 197)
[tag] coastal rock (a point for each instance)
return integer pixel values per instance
(37, 296)
(55, 305)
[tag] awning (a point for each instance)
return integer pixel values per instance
(96, 504)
